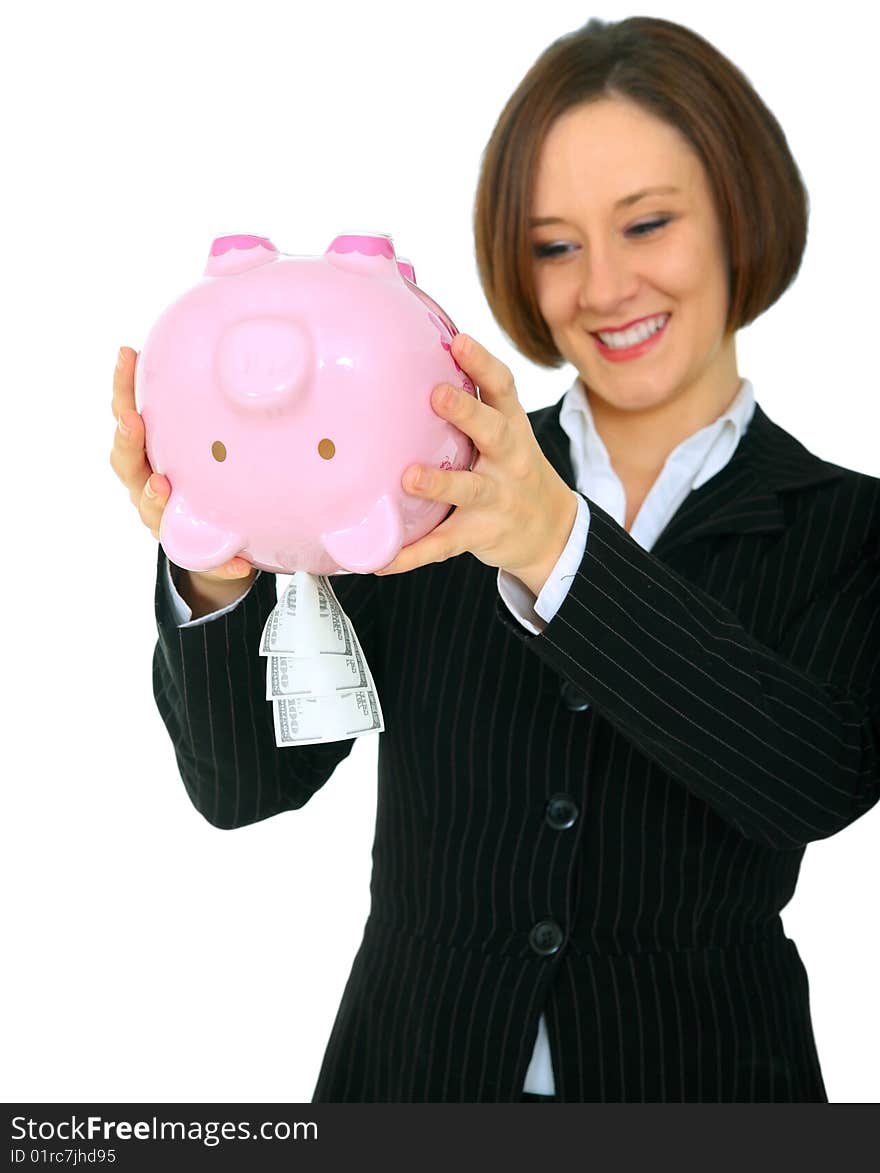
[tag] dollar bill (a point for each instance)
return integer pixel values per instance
(307, 619)
(310, 720)
(317, 676)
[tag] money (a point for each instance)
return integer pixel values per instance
(309, 720)
(317, 676)
(307, 619)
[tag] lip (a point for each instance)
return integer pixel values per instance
(635, 351)
(626, 326)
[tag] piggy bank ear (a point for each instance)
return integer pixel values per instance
(370, 543)
(234, 254)
(368, 253)
(263, 363)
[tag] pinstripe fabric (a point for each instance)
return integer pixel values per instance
(733, 675)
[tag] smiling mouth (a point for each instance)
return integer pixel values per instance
(659, 322)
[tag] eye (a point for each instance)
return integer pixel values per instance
(547, 250)
(638, 230)
(326, 449)
(218, 450)
(648, 226)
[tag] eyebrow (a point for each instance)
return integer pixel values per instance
(624, 202)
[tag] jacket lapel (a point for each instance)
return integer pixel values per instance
(742, 498)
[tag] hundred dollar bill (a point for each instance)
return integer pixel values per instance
(307, 619)
(309, 720)
(316, 675)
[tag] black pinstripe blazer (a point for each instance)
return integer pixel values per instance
(602, 821)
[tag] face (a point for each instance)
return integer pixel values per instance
(603, 264)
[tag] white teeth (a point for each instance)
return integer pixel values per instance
(624, 338)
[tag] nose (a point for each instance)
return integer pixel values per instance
(609, 280)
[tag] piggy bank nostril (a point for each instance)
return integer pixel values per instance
(218, 450)
(326, 449)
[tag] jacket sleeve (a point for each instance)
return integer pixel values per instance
(209, 683)
(782, 742)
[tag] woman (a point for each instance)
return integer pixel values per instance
(594, 804)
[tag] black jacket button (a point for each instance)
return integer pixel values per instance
(546, 937)
(573, 699)
(560, 812)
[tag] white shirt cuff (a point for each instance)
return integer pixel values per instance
(535, 613)
(183, 612)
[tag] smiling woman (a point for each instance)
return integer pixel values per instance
(617, 229)
(638, 300)
(603, 757)
(699, 100)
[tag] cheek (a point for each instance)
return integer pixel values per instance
(697, 282)
(557, 297)
(697, 268)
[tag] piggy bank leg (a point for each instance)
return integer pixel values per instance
(192, 543)
(370, 543)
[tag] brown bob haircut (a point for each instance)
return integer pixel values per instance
(675, 74)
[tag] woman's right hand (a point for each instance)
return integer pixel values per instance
(204, 591)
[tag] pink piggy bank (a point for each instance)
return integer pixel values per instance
(283, 399)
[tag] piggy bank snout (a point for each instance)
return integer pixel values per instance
(262, 363)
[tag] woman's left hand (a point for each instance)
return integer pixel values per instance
(513, 510)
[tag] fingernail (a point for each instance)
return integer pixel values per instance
(148, 487)
(120, 361)
(122, 428)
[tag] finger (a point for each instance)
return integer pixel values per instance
(123, 381)
(493, 378)
(437, 546)
(128, 457)
(487, 426)
(151, 501)
(237, 567)
(455, 488)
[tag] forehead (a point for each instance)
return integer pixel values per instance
(602, 150)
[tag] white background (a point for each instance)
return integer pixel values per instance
(149, 956)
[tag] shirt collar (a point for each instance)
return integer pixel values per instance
(703, 454)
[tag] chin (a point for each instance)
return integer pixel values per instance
(634, 398)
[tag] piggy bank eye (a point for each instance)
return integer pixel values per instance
(326, 449)
(218, 450)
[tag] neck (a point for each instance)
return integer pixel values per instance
(639, 440)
